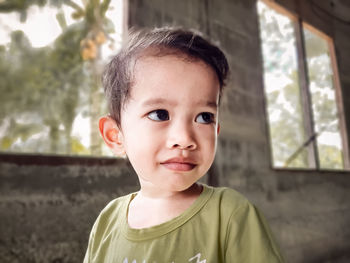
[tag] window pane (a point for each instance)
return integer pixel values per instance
(50, 64)
(282, 88)
(323, 101)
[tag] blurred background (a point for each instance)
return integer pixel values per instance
(285, 118)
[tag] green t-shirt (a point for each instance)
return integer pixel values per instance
(220, 226)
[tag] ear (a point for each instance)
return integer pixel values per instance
(112, 135)
(218, 129)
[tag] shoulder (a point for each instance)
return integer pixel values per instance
(236, 206)
(228, 194)
(229, 199)
(110, 219)
(112, 214)
(246, 229)
(227, 206)
(115, 205)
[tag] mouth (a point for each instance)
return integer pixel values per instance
(179, 164)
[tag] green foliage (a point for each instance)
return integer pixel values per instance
(19, 5)
(284, 103)
(61, 19)
(331, 157)
(77, 147)
(7, 6)
(43, 89)
(22, 6)
(6, 142)
(104, 7)
(287, 131)
(41, 85)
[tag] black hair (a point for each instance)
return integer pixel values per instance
(117, 78)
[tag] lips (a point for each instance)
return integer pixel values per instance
(179, 164)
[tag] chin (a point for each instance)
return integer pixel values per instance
(181, 187)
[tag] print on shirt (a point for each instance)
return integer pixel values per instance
(198, 257)
(134, 261)
(195, 259)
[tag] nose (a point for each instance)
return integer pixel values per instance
(181, 136)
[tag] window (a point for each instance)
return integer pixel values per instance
(302, 92)
(51, 55)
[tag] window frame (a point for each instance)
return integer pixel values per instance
(306, 104)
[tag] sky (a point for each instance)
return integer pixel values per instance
(42, 28)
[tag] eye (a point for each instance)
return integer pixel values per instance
(205, 117)
(158, 115)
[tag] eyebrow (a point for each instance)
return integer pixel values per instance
(211, 104)
(158, 101)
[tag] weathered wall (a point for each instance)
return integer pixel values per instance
(47, 206)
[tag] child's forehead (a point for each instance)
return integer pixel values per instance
(152, 56)
(160, 76)
(152, 66)
(156, 54)
(153, 59)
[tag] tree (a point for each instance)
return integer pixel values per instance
(282, 91)
(41, 87)
(281, 86)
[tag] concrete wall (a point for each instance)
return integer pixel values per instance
(47, 205)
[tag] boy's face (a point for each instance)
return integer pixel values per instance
(169, 125)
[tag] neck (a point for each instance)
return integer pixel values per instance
(148, 210)
(193, 191)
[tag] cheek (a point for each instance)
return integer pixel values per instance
(141, 143)
(208, 138)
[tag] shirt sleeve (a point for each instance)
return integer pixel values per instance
(87, 258)
(249, 238)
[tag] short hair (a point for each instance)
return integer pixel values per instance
(117, 77)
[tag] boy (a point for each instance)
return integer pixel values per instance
(163, 90)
